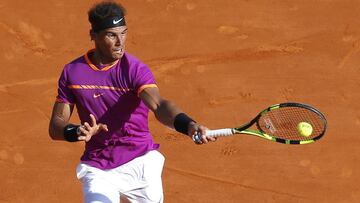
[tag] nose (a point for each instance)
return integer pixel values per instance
(118, 41)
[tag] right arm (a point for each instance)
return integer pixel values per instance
(59, 119)
(167, 113)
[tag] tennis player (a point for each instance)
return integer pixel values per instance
(113, 92)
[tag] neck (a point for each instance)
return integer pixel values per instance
(98, 59)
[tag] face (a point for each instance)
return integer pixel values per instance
(110, 43)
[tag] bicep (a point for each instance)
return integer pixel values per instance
(164, 110)
(151, 97)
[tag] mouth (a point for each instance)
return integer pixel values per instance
(118, 50)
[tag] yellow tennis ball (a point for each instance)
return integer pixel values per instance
(305, 129)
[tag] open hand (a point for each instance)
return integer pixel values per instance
(87, 130)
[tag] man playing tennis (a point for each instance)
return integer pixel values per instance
(113, 92)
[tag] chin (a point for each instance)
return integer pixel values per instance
(118, 55)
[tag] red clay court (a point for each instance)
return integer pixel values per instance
(221, 61)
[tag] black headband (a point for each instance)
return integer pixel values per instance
(110, 22)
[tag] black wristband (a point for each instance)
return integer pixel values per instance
(71, 133)
(181, 123)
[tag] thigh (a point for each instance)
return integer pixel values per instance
(153, 163)
(96, 187)
(153, 176)
(153, 166)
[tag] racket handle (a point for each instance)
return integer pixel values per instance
(213, 133)
(219, 132)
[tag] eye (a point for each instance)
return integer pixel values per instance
(110, 35)
(124, 32)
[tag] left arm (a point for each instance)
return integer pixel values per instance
(166, 112)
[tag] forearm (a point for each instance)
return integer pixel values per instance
(56, 128)
(170, 115)
(166, 113)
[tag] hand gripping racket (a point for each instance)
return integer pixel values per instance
(279, 123)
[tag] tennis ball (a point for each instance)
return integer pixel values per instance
(304, 129)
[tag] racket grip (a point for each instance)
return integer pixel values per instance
(213, 133)
(219, 132)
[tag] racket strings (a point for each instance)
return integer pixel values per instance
(282, 123)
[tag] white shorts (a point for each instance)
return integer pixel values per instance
(138, 180)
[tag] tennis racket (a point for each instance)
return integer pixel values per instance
(279, 123)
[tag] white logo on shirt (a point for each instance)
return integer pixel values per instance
(97, 95)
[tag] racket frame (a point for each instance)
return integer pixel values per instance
(244, 129)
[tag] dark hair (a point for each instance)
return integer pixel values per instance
(103, 10)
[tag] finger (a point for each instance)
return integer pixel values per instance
(82, 138)
(83, 129)
(204, 139)
(88, 129)
(93, 120)
(202, 130)
(86, 133)
(209, 138)
(212, 139)
(87, 126)
(87, 138)
(103, 127)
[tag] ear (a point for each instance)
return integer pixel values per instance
(92, 35)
